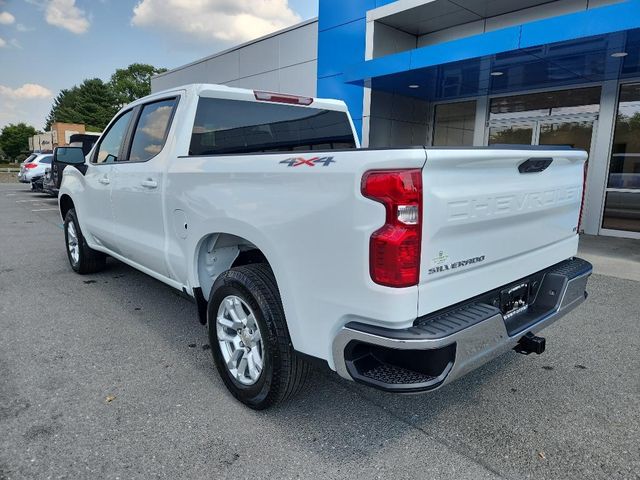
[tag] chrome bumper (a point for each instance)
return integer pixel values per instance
(486, 337)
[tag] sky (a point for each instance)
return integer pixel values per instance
(48, 45)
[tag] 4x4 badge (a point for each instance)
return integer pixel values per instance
(309, 162)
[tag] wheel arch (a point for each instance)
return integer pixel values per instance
(217, 253)
(65, 204)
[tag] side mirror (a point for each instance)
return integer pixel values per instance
(68, 155)
(63, 156)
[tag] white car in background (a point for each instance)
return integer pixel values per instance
(34, 167)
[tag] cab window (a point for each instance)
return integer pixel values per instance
(151, 130)
(111, 142)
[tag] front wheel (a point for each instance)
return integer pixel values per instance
(249, 338)
(82, 258)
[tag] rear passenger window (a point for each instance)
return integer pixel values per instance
(151, 131)
(46, 159)
(234, 126)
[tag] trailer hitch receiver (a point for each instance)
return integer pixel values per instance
(529, 343)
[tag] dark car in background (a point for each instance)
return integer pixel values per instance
(53, 174)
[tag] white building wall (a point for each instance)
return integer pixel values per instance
(285, 61)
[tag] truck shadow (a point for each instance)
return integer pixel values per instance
(338, 420)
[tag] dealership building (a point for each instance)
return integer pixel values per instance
(468, 73)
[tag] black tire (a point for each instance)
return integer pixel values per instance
(284, 372)
(89, 261)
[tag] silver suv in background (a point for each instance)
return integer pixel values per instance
(33, 169)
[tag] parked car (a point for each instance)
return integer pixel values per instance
(34, 169)
(53, 175)
(402, 269)
(37, 183)
(29, 158)
(48, 185)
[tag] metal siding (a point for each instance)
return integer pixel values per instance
(299, 79)
(298, 46)
(333, 13)
(389, 40)
(623, 16)
(259, 57)
(223, 68)
(286, 61)
(263, 81)
(334, 87)
(341, 46)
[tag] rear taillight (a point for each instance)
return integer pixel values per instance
(584, 187)
(394, 249)
(31, 165)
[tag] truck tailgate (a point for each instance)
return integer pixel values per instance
(492, 216)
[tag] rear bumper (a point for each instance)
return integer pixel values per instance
(443, 346)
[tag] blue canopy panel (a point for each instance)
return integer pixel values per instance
(565, 50)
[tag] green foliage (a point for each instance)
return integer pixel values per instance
(129, 84)
(14, 138)
(95, 102)
(92, 103)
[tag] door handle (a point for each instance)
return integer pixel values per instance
(149, 183)
(104, 181)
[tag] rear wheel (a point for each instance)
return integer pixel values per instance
(249, 338)
(82, 258)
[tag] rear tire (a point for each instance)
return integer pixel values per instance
(82, 258)
(258, 313)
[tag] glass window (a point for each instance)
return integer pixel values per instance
(624, 171)
(576, 134)
(454, 124)
(233, 126)
(622, 211)
(511, 135)
(110, 144)
(622, 208)
(580, 100)
(151, 130)
(46, 159)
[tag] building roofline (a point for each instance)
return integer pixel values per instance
(238, 47)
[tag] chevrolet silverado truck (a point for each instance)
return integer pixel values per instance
(399, 268)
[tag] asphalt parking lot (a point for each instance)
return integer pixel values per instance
(110, 376)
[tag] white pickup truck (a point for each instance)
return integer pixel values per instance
(402, 269)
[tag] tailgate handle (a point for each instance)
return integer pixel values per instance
(534, 165)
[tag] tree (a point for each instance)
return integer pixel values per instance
(92, 103)
(129, 84)
(14, 138)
